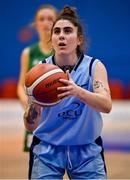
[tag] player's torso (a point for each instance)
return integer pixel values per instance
(71, 122)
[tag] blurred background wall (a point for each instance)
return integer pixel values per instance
(107, 28)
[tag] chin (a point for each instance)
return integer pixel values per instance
(62, 53)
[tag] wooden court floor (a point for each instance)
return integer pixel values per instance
(14, 162)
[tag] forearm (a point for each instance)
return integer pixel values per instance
(32, 118)
(22, 96)
(100, 102)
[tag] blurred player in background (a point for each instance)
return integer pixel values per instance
(67, 136)
(44, 19)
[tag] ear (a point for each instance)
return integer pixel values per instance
(80, 39)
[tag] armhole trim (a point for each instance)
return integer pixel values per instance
(90, 66)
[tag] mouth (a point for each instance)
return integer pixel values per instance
(61, 44)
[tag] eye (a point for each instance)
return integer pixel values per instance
(50, 19)
(56, 31)
(41, 19)
(68, 30)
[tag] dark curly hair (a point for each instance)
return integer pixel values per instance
(70, 14)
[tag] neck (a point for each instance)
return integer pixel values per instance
(63, 60)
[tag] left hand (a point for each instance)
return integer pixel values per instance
(32, 111)
(70, 89)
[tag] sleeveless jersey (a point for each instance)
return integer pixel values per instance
(72, 122)
(36, 55)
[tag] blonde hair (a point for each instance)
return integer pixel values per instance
(44, 6)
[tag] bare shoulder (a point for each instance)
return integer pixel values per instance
(100, 70)
(25, 51)
(100, 80)
(25, 55)
(100, 66)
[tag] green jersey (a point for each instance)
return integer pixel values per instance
(36, 55)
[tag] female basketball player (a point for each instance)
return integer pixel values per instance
(68, 134)
(44, 19)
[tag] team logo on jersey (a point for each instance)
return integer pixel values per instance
(71, 112)
(36, 61)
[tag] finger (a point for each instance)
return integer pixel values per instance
(63, 94)
(68, 74)
(64, 81)
(65, 88)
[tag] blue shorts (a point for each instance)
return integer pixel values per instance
(48, 161)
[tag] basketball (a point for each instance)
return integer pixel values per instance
(41, 84)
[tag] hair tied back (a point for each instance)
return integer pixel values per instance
(68, 11)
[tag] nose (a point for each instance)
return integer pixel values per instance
(61, 35)
(61, 38)
(45, 22)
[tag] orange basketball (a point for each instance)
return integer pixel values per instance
(41, 84)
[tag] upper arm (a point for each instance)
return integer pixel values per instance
(100, 80)
(23, 65)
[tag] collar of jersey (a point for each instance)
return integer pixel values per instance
(77, 64)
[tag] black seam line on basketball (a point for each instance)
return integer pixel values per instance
(45, 92)
(42, 93)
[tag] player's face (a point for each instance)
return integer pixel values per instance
(65, 37)
(44, 20)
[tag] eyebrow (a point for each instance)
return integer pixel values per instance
(63, 27)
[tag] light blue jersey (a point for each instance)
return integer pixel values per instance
(72, 122)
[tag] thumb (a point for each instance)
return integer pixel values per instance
(68, 74)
